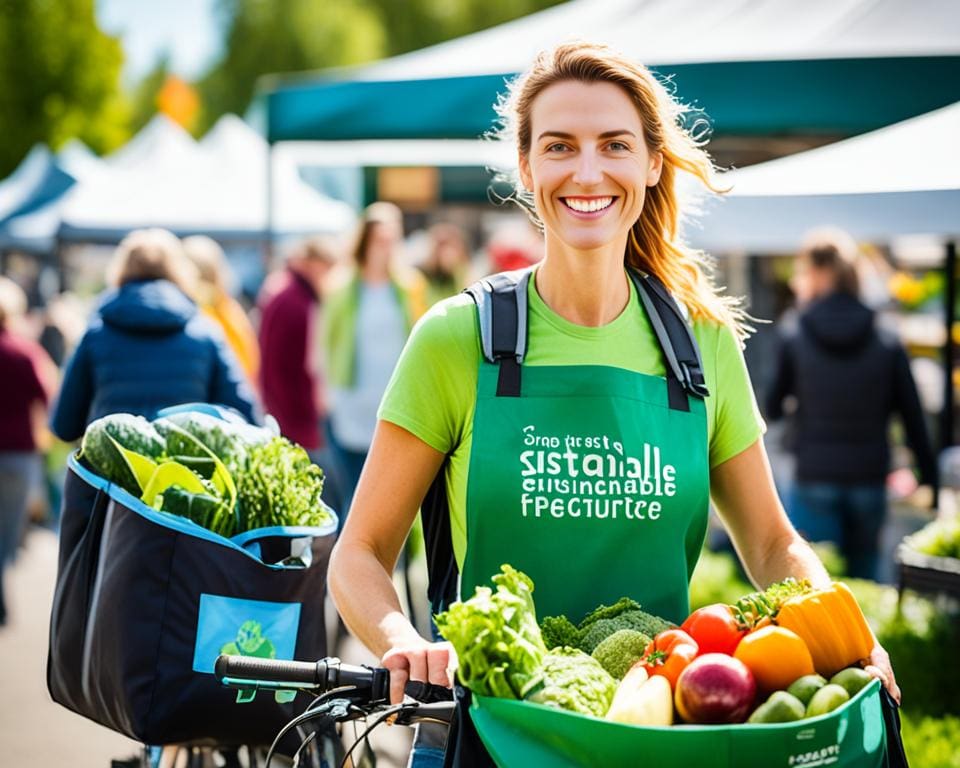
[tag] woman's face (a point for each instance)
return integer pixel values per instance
(381, 242)
(588, 166)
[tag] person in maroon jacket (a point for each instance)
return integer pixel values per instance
(25, 388)
(290, 377)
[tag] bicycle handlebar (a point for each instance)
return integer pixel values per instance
(320, 676)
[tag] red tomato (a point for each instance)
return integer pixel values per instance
(714, 629)
(669, 653)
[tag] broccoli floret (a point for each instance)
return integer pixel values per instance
(641, 621)
(620, 651)
(622, 605)
(574, 681)
(559, 631)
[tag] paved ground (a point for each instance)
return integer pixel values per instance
(34, 731)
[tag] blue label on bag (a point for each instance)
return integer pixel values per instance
(244, 628)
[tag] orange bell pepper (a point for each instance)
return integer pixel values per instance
(669, 653)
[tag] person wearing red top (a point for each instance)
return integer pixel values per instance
(24, 393)
(290, 376)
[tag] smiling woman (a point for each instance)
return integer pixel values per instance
(621, 364)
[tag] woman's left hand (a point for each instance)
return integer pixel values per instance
(879, 667)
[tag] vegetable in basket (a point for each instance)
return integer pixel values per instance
(501, 653)
(831, 624)
(599, 624)
(499, 647)
(104, 438)
(572, 680)
(619, 652)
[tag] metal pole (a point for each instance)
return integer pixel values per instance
(268, 234)
(949, 349)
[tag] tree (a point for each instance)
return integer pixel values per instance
(267, 36)
(415, 24)
(281, 36)
(61, 78)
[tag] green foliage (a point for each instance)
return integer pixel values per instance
(61, 79)
(941, 538)
(143, 98)
(277, 36)
(281, 36)
(831, 557)
(931, 742)
(415, 24)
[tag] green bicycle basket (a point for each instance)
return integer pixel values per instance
(519, 734)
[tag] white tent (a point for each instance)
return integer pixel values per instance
(691, 31)
(163, 178)
(900, 180)
(239, 156)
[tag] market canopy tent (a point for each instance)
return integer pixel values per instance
(823, 67)
(30, 216)
(163, 178)
(900, 180)
(240, 157)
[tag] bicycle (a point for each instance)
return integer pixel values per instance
(342, 693)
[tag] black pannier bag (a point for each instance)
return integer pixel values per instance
(145, 601)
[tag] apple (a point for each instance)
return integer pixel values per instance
(715, 688)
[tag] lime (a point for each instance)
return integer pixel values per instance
(851, 679)
(781, 707)
(827, 699)
(804, 687)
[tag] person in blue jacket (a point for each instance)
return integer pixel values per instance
(148, 346)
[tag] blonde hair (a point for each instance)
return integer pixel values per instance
(152, 254)
(654, 245)
(213, 271)
(13, 301)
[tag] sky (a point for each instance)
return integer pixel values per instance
(186, 29)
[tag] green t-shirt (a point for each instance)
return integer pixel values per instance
(433, 391)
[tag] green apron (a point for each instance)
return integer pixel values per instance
(592, 484)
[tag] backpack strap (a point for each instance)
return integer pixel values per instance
(501, 301)
(681, 354)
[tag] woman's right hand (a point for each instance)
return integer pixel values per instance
(419, 661)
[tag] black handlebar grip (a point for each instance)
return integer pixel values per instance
(272, 670)
(427, 693)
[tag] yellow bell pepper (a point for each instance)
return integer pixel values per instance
(831, 624)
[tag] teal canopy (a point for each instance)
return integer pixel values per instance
(757, 68)
(829, 96)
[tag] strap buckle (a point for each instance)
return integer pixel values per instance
(691, 376)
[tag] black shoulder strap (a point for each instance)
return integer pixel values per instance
(502, 313)
(680, 351)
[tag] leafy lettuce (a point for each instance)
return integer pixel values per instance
(495, 635)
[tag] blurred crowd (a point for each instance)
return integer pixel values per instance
(313, 350)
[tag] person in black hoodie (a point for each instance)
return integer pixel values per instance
(848, 376)
(148, 346)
